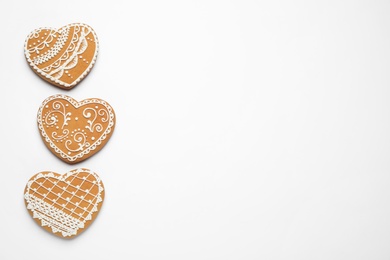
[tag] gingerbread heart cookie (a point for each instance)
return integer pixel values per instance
(74, 131)
(62, 57)
(64, 204)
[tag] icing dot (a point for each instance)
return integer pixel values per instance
(76, 118)
(67, 105)
(57, 127)
(80, 57)
(96, 107)
(29, 45)
(69, 152)
(39, 41)
(47, 106)
(93, 138)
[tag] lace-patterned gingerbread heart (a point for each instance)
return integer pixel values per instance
(74, 131)
(62, 57)
(64, 204)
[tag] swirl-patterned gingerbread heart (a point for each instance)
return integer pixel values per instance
(74, 131)
(64, 204)
(62, 57)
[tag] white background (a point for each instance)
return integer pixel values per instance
(245, 130)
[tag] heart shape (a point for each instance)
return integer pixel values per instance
(62, 57)
(64, 204)
(74, 131)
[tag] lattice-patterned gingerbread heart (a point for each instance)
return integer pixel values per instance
(64, 204)
(74, 131)
(62, 57)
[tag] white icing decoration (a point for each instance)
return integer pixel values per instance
(80, 139)
(91, 126)
(52, 214)
(54, 50)
(78, 136)
(69, 59)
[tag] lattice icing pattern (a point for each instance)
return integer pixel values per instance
(64, 204)
(64, 56)
(73, 130)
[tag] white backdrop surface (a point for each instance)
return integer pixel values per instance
(245, 130)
